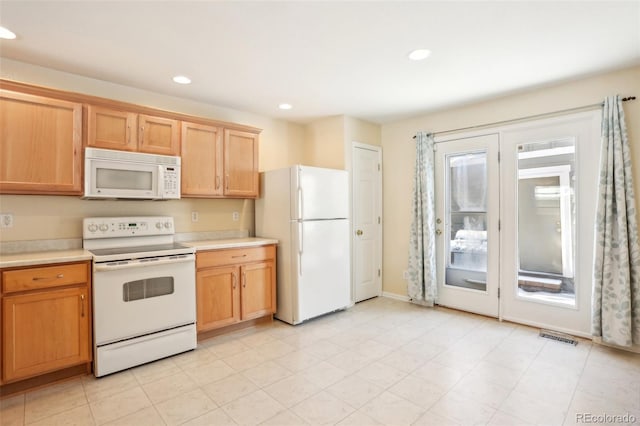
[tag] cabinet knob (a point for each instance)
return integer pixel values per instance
(359, 232)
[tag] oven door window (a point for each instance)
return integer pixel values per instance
(145, 289)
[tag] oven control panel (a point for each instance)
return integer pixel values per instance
(111, 227)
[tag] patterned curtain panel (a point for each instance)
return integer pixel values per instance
(616, 283)
(422, 287)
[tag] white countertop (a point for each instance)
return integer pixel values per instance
(229, 243)
(43, 257)
(77, 255)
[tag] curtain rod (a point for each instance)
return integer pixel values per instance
(531, 117)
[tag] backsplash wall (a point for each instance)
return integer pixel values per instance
(39, 217)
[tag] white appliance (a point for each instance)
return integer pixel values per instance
(307, 209)
(144, 291)
(134, 175)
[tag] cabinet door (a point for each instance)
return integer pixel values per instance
(201, 152)
(217, 297)
(111, 129)
(158, 135)
(240, 164)
(45, 331)
(40, 145)
(258, 289)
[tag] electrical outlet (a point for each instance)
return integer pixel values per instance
(235, 216)
(194, 216)
(6, 220)
(405, 275)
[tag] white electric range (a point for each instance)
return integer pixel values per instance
(144, 295)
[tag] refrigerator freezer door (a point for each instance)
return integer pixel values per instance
(321, 253)
(319, 193)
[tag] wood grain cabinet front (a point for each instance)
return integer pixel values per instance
(234, 285)
(219, 162)
(128, 131)
(158, 135)
(40, 145)
(111, 129)
(240, 164)
(201, 152)
(45, 327)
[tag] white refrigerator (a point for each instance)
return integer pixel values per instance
(307, 210)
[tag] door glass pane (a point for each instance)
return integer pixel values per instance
(466, 207)
(546, 221)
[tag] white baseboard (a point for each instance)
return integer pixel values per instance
(395, 296)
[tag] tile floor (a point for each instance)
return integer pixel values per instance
(381, 362)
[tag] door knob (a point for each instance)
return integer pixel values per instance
(438, 232)
(359, 232)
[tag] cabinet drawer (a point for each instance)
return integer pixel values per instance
(45, 277)
(233, 256)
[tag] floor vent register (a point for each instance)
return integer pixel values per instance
(560, 337)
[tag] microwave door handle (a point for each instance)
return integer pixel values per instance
(160, 181)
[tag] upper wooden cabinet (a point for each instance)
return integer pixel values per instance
(201, 152)
(128, 131)
(42, 132)
(218, 163)
(240, 164)
(111, 129)
(40, 145)
(158, 135)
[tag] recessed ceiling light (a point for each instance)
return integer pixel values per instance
(419, 54)
(7, 34)
(285, 106)
(181, 79)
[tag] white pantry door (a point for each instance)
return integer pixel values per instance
(367, 221)
(467, 216)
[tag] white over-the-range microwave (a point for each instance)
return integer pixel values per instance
(130, 175)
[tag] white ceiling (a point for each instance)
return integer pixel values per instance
(326, 57)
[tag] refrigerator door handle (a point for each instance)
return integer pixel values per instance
(300, 199)
(300, 247)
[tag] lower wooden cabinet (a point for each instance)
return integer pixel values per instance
(46, 322)
(234, 285)
(218, 297)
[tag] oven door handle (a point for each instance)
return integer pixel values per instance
(114, 266)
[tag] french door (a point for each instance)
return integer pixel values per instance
(548, 207)
(467, 219)
(515, 212)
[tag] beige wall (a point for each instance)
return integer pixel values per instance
(324, 143)
(46, 217)
(356, 130)
(328, 140)
(399, 155)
